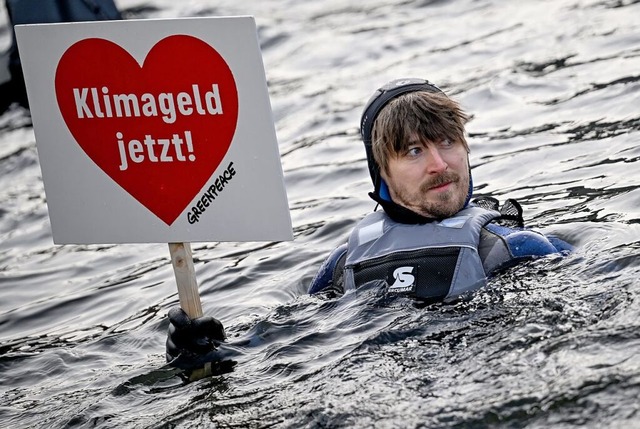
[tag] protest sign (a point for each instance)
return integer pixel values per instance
(155, 131)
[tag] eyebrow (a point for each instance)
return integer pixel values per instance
(413, 140)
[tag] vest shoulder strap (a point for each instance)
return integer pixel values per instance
(510, 212)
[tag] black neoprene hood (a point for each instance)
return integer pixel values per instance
(375, 104)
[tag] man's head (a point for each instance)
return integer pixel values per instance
(416, 148)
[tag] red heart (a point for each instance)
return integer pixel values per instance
(161, 171)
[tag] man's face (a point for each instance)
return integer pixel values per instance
(430, 178)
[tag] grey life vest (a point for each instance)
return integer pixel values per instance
(433, 261)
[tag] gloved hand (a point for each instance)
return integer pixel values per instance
(191, 342)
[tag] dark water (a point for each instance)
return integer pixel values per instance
(554, 90)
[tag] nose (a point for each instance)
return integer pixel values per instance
(435, 162)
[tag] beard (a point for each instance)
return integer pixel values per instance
(440, 205)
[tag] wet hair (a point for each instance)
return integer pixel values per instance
(430, 115)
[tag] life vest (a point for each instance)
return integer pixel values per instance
(435, 261)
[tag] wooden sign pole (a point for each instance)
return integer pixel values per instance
(182, 261)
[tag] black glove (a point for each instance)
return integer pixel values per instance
(192, 342)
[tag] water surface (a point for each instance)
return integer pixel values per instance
(553, 88)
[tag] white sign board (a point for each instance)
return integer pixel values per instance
(155, 131)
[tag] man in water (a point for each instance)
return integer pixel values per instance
(430, 242)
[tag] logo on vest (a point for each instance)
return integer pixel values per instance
(403, 279)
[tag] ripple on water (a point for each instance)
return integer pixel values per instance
(552, 88)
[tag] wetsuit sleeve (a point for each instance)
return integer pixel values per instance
(501, 246)
(560, 245)
(329, 275)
